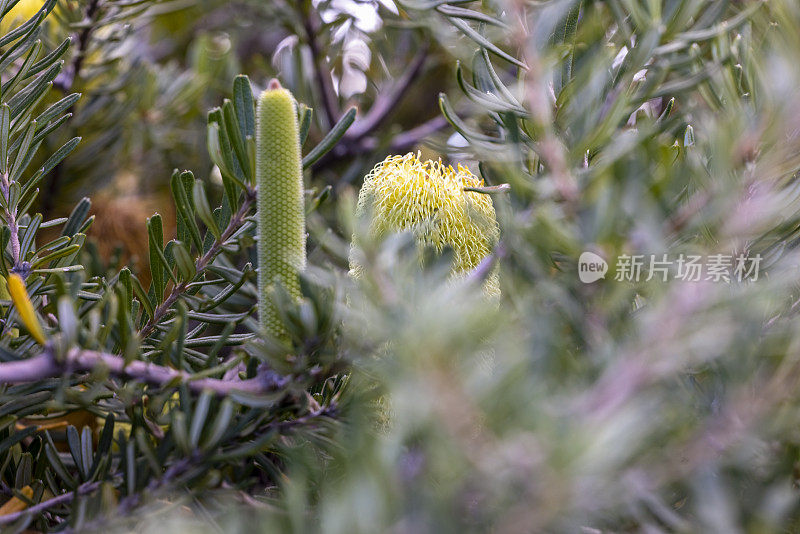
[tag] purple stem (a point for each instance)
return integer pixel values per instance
(386, 101)
(11, 221)
(83, 489)
(46, 366)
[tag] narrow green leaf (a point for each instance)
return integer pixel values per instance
(488, 101)
(51, 162)
(141, 294)
(305, 114)
(319, 199)
(146, 448)
(199, 417)
(183, 261)
(25, 98)
(216, 149)
(50, 58)
(484, 42)
(458, 124)
(5, 119)
(203, 209)
(158, 263)
(130, 468)
(234, 133)
(498, 83)
(61, 253)
(30, 25)
(179, 432)
(74, 445)
(24, 474)
(29, 234)
(124, 281)
(221, 425)
(20, 405)
(77, 217)
(86, 450)
(688, 136)
(22, 153)
(225, 318)
(469, 14)
(667, 111)
(185, 209)
(332, 137)
(57, 465)
(104, 442)
(67, 320)
(57, 109)
(244, 105)
(23, 69)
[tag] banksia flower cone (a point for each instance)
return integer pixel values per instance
(281, 209)
(403, 193)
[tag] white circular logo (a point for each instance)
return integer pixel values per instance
(591, 267)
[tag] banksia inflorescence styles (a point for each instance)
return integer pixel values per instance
(281, 210)
(435, 203)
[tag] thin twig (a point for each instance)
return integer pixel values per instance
(321, 72)
(64, 498)
(401, 143)
(66, 80)
(46, 365)
(407, 140)
(29, 370)
(386, 101)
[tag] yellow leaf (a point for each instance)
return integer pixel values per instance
(20, 298)
(15, 504)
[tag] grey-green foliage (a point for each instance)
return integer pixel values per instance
(180, 392)
(615, 406)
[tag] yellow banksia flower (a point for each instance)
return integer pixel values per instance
(281, 207)
(433, 201)
(20, 298)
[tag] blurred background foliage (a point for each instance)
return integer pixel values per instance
(410, 403)
(149, 73)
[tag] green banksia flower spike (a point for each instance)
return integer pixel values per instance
(281, 210)
(430, 200)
